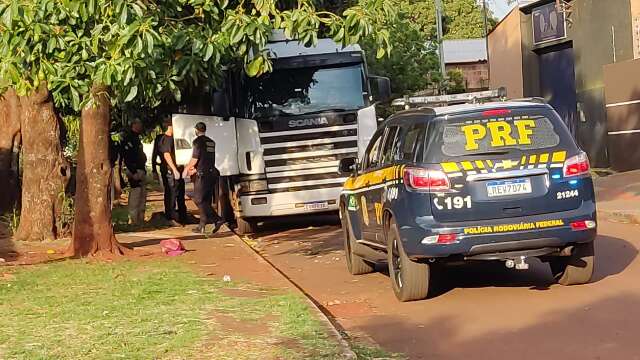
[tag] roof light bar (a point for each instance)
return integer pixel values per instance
(441, 100)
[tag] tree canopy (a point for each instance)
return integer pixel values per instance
(147, 51)
(413, 64)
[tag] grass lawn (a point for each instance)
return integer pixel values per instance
(157, 309)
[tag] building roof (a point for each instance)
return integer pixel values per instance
(464, 51)
(527, 5)
(284, 49)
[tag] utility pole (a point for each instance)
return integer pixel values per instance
(486, 40)
(439, 14)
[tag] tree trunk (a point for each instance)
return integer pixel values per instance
(92, 229)
(45, 171)
(9, 138)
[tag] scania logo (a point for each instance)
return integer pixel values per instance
(308, 122)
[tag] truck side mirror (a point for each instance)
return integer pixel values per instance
(347, 166)
(380, 87)
(221, 105)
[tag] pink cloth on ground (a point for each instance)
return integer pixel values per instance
(172, 247)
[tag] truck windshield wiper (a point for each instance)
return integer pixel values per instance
(326, 110)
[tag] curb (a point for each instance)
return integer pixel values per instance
(619, 216)
(321, 313)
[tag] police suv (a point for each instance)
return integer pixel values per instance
(495, 181)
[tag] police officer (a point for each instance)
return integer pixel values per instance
(203, 167)
(135, 162)
(172, 180)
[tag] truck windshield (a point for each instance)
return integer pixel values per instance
(292, 92)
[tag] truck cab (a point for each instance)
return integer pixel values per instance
(291, 127)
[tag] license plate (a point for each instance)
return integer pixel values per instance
(508, 187)
(317, 206)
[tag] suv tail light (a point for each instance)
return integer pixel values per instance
(583, 225)
(577, 165)
(426, 180)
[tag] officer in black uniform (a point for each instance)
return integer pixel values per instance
(172, 180)
(203, 167)
(135, 162)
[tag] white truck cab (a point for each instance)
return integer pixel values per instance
(279, 148)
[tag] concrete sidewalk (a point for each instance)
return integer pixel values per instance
(618, 197)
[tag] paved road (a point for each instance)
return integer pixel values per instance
(482, 311)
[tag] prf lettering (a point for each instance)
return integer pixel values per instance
(501, 132)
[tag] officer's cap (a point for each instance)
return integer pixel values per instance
(201, 127)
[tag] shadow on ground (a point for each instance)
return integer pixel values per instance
(613, 256)
(305, 235)
(604, 329)
(8, 250)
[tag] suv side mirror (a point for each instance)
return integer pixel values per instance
(380, 87)
(347, 166)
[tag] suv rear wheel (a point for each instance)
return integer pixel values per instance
(410, 280)
(574, 269)
(356, 264)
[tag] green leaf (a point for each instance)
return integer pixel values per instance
(255, 66)
(75, 97)
(149, 40)
(132, 93)
(237, 34)
(208, 52)
(137, 9)
(6, 18)
(123, 16)
(380, 53)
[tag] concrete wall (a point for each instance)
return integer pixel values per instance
(635, 23)
(596, 24)
(623, 113)
(475, 74)
(505, 55)
(591, 32)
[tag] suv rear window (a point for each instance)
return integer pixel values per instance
(515, 131)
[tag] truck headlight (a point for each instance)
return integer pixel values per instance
(252, 186)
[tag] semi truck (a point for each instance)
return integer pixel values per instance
(280, 136)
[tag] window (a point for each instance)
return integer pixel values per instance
(390, 145)
(414, 136)
(305, 90)
(372, 154)
(512, 132)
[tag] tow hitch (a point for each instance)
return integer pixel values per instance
(518, 263)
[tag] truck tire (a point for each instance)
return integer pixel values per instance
(575, 269)
(410, 280)
(356, 264)
(245, 226)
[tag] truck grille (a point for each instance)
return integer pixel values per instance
(307, 159)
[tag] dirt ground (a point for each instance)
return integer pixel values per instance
(481, 311)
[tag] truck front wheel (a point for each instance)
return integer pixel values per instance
(245, 226)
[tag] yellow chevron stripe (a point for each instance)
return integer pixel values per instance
(490, 163)
(466, 165)
(532, 159)
(450, 167)
(480, 164)
(544, 158)
(559, 156)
